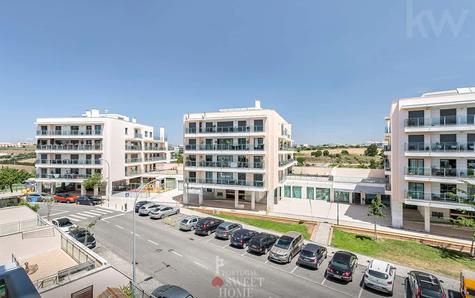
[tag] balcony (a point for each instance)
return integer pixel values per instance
(63, 176)
(133, 173)
(69, 132)
(439, 172)
(286, 148)
(133, 147)
(387, 148)
(155, 158)
(285, 162)
(445, 197)
(225, 182)
(155, 148)
(222, 164)
(68, 161)
(133, 160)
(224, 147)
(440, 121)
(69, 147)
(229, 129)
(138, 135)
(440, 147)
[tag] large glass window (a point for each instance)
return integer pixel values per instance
(448, 116)
(322, 194)
(296, 192)
(310, 193)
(471, 167)
(415, 190)
(415, 167)
(342, 196)
(287, 191)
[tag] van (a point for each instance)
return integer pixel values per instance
(286, 247)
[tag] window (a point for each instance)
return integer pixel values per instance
(471, 167)
(296, 192)
(342, 196)
(415, 167)
(310, 193)
(287, 191)
(258, 125)
(126, 131)
(209, 177)
(146, 134)
(416, 118)
(415, 190)
(470, 115)
(448, 116)
(322, 194)
(437, 215)
(416, 143)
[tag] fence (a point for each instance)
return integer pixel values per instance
(63, 275)
(21, 226)
(77, 253)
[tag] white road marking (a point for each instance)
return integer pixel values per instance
(117, 215)
(267, 261)
(93, 213)
(57, 213)
(99, 211)
(153, 242)
(105, 210)
(178, 254)
(106, 221)
(323, 281)
(199, 264)
(293, 270)
(210, 239)
(136, 234)
(85, 215)
(225, 246)
(76, 216)
(361, 291)
(120, 227)
(244, 253)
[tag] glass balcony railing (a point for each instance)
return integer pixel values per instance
(63, 176)
(440, 121)
(225, 129)
(133, 160)
(285, 162)
(441, 147)
(69, 132)
(438, 197)
(133, 173)
(69, 147)
(286, 148)
(68, 161)
(225, 147)
(155, 148)
(438, 172)
(155, 158)
(226, 182)
(133, 147)
(387, 148)
(223, 164)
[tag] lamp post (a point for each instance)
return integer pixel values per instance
(109, 185)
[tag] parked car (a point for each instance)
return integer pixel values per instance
(224, 230)
(145, 209)
(207, 225)
(425, 285)
(140, 204)
(188, 223)
(241, 236)
(312, 255)
(467, 284)
(88, 200)
(163, 211)
(286, 247)
(84, 237)
(380, 276)
(342, 265)
(63, 223)
(65, 198)
(34, 197)
(261, 243)
(171, 291)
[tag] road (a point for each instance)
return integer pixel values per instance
(199, 264)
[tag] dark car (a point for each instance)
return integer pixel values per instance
(342, 265)
(261, 243)
(171, 291)
(241, 237)
(84, 237)
(207, 225)
(312, 255)
(425, 285)
(140, 204)
(226, 229)
(88, 200)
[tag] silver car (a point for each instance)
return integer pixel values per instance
(225, 230)
(188, 223)
(163, 211)
(145, 209)
(286, 247)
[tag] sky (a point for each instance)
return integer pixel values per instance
(331, 68)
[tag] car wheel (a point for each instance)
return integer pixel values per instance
(91, 204)
(289, 259)
(266, 250)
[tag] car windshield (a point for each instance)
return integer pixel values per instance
(307, 253)
(185, 221)
(64, 222)
(221, 228)
(340, 262)
(283, 242)
(378, 274)
(429, 285)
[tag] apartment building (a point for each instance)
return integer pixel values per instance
(236, 156)
(71, 149)
(430, 150)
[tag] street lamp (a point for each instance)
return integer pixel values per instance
(109, 185)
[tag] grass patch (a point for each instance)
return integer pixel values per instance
(269, 224)
(408, 253)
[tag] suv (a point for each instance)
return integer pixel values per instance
(88, 200)
(84, 237)
(286, 247)
(342, 265)
(380, 276)
(312, 255)
(140, 204)
(240, 237)
(188, 223)
(207, 225)
(425, 285)
(145, 209)
(261, 243)
(225, 230)
(65, 198)
(63, 223)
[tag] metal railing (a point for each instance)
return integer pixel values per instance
(226, 182)
(63, 176)
(21, 226)
(440, 147)
(69, 161)
(286, 162)
(438, 172)
(225, 147)
(440, 121)
(225, 129)
(69, 147)
(63, 275)
(69, 132)
(225, 164)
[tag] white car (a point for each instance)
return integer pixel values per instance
(63, 223)
(380, 276)
(164, 211)
(145, 209)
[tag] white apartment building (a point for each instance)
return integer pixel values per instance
(71, 149)
(430, 148)
(236, 155)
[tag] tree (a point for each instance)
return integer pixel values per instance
(373, 164)
(372, 150)
(300, 160)
(10, 176)
(179, 158)
(375, 210)
(326, 152)
(318, 153)
(344, 152)
(34, 207)
(464, 220)
(93, 181)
